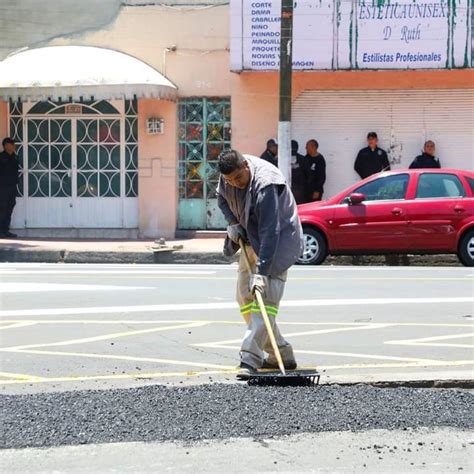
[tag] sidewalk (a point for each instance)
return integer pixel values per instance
(190, 251)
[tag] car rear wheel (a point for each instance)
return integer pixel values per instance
(466, 249)
(315, 247)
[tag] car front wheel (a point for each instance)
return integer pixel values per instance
(315, 247)
(466, 249)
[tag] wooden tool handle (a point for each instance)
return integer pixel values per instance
(266, 320)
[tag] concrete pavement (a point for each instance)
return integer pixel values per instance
(422, 450)
(102, 326)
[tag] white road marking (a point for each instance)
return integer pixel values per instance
(230, 306)
(129, 271)
(224, 344)
(105, 337)
(24, 287)
(128, 358)
(433, 341)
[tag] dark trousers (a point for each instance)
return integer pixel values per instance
(7, 203)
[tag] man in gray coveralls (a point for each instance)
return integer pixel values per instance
(260, 209)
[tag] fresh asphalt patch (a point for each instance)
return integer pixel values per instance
(223, 411)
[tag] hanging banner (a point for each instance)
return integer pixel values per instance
(353, 34)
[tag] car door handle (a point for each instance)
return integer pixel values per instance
(396, 211)
(459, 209)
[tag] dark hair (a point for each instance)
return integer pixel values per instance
(314, 142)
(229, 161)
(7, 140)
(271, 142)
(372, 135)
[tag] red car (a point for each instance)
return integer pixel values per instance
(404, 211)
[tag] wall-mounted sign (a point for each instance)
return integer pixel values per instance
(354, 34)
(73, 109)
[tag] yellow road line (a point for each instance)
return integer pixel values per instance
(17, 324)
(229, 371)
(106, 336)
(138, 376)
(23, 377)
(454, 363)
(367, 356)
(118, 357)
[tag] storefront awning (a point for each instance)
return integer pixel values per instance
(80, 72)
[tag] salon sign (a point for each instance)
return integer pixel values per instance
(354, 34)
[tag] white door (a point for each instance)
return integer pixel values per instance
(79, 171)
(403, 120)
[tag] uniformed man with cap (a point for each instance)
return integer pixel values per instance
(372, 159)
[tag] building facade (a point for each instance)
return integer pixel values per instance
(128, 161)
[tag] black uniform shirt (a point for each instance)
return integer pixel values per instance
(299, 178)
(9, 169)
(317, 174)
(369, 162)
(425, 161)
(267, 155)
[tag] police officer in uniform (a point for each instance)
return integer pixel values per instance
(427, 159)
(372, 159)
(9, 176)
(299, 175)
(317, 171)
(271, 153)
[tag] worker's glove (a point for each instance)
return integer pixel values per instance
(236, 232)
(258, 282)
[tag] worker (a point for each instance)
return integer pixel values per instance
(271, 152)
(260, 209)
(372, 159)
(299, 175)
(317, 171)
(427, 159)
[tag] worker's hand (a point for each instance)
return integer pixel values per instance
(236, 232)
(316, 195)
(258, 282)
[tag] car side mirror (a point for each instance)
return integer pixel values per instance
(356, 198)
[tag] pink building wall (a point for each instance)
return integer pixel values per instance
(255, 95)
(157, 170)
(3, 120)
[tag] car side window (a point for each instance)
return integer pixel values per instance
(439, 185)
(386, 188)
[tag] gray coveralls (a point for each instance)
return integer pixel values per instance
(267, 211)
(256, 340)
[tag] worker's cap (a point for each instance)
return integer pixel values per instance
(272, 142)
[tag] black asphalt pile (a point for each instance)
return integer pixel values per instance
(221, 411)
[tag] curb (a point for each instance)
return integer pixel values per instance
(171, 256)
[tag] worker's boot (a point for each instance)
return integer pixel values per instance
(246, 370)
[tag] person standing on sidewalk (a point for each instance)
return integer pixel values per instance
(271, 152)
(299, 175)
(260, 210)
(371, 159)
(9, 176)
(317, 170)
